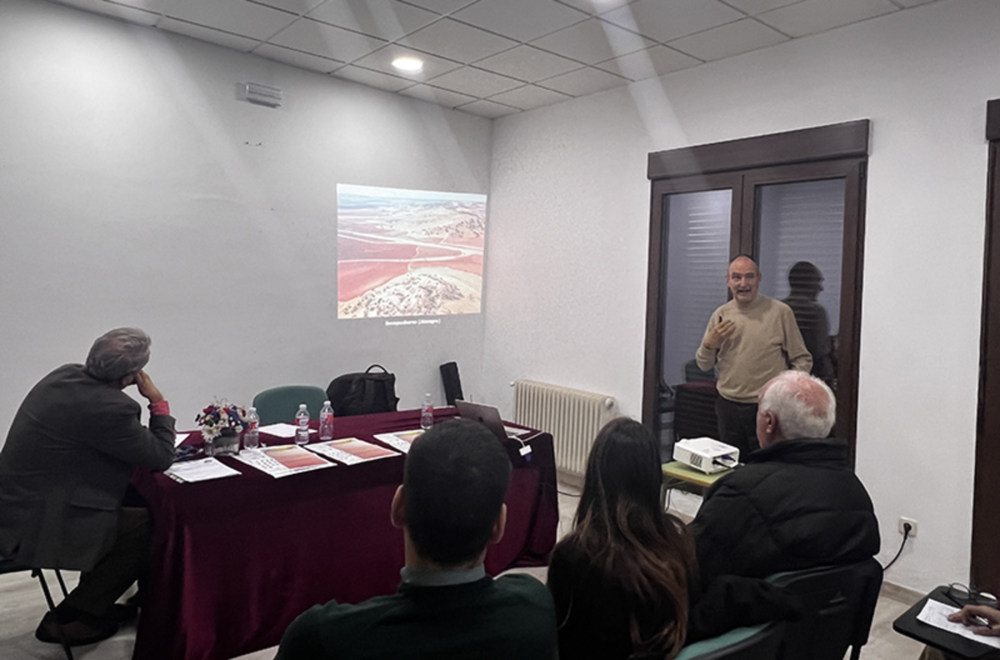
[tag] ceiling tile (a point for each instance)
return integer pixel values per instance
(236, 16)
(754, 7)
(584, 81)
(297, 58)
(457, 41)
(592, 41)
(372, 78)
(207, 34)
(443, 97)
(381, 60)
(297, 7)
(595, 7)
(475, 82)
(157, 6)
(912, 3)
(132, 14)
(664, 21)
(326, 40)
(529, 97)
(385, 19)
(729, 40)
(488, 109)
(522, 20)
(527, 63)
(812, 16)
(649, 63)
(442, 7)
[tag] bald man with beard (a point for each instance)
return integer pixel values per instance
(750, 339)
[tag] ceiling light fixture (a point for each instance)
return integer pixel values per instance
(408, 63)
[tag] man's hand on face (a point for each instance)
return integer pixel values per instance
(147, 388)
(719, 333)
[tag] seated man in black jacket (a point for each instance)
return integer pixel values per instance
(795, 504)
(450, 508)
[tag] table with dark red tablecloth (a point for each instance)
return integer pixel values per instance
(235, 560)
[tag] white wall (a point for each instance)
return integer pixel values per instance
(137, 190)
(570, 216)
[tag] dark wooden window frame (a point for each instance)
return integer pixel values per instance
(821, 152)
(985, 567)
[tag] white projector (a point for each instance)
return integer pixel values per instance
(706, 454)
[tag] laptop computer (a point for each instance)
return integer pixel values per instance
(488, 416)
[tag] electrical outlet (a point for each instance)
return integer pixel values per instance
(912, 523)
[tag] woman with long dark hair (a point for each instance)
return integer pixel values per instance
(620, 578)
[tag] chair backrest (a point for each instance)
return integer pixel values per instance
(759, 642)
(279, 404)
(839, 606)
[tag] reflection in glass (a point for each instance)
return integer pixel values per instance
(800, 244)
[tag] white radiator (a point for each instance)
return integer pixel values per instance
(573, 417)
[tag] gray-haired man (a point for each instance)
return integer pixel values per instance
(64, 470)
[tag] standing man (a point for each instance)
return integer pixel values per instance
(63, 474)
(751, 339)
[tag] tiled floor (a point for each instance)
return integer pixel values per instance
(22, 606)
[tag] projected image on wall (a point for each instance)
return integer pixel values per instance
(408, 252)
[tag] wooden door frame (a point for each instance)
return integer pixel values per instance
(985, 565)
(834, 142)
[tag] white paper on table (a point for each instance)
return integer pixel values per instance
(294, 460)
(513, 432)
(351, 451)
(200, 470)
(936, 614)
(281, 429)
(179, 438)
(400, 440)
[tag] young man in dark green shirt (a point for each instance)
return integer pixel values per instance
(450, 508)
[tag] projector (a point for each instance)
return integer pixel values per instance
(706, 454)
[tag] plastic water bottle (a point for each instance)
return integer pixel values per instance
(326, 422)
(251, 437)
(427, 413)
(302, 420)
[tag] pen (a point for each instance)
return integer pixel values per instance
(975, 618)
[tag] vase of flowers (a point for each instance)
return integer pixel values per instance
(221, 424)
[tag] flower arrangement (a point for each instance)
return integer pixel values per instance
(219, 417)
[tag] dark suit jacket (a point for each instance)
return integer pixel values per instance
(66, 464)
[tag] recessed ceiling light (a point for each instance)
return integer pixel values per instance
(408, 63)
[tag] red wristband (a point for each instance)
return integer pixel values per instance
(159, 408)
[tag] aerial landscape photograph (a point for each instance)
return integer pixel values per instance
(408, 252)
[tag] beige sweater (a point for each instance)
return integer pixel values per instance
(766, 342)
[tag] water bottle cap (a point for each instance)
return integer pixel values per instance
(251, 409)
(302, 406)
(326, 403)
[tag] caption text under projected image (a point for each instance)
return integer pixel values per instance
(408, 252)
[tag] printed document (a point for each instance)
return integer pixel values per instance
(351, 450)
(400, 440)
(936, 614)
(283, 460)
(200, 470)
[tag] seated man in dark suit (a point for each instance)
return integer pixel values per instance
(795, 504)
(64, 470)
(450, 507)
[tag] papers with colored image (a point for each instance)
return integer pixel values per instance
(200, 470)
(351, 450)
(283, 460)
(400, 440)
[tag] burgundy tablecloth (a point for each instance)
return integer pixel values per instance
(235, 560)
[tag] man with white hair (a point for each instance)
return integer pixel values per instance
(795, 504)
(64, 470)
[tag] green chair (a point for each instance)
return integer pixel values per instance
(279, 404)
(759, 642)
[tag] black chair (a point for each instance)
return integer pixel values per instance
(839, 606)
(760, 642)
(11, 566)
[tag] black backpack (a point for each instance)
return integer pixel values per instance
(363, 393)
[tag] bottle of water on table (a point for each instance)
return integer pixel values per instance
(427, 413)
(302, 422)
(251, 437)
(326, 422)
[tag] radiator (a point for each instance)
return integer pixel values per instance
(573, 417)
